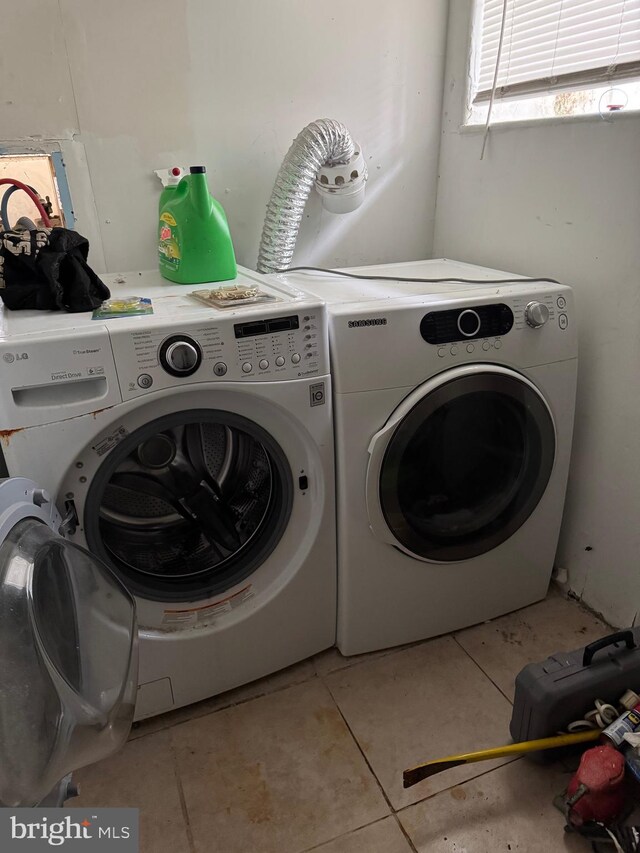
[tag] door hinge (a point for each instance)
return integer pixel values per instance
(70, 521)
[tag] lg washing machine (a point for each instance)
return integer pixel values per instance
(191, 452)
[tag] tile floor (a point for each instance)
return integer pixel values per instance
(311, 758)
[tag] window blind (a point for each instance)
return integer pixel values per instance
(554, 44)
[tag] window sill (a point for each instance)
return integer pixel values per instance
(591, 118)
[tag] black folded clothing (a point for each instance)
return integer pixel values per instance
(48, 270)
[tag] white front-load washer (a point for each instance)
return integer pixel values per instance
(453, 406)
(191, 451)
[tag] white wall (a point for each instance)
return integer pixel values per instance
(563, 200)
(145, 84)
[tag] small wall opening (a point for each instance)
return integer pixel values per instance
(38, 171)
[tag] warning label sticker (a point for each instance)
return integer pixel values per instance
(107, 442)
(195, 615)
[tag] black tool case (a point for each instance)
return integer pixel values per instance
(561, 689)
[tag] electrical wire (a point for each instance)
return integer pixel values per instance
(4, 205)
(419, 280)
(34, 198)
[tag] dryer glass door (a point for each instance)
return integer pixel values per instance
(466, 465)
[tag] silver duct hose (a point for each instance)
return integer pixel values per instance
(321, 142)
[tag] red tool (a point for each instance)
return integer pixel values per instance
(596, 791)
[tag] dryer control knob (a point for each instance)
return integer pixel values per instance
(536, 314)
(180, 356)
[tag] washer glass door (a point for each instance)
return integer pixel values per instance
(466, 465)
(69, 662)
(189, 504)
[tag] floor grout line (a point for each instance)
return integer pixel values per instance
(395, 812)
(345, 834)
(225, 707)
(407, 837)
(360, 750)
(183, 801)
(484, 672)
(315, 674)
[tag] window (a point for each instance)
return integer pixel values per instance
(558, 57)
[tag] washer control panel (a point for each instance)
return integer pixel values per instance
(277, 348)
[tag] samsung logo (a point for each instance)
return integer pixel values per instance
(376, 321)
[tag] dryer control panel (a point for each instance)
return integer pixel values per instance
(280, 347)
(400, 342)
(481, 321)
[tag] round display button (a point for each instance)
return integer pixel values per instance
(486, 345)
(295, 358)
(442, 351)
(561, 302)
(498, 344)
(220, 368)
(454, 350)
(470, 347)
(263, 364)
(469, 323)
(279, 361)
(247, 367)
(180, 355)
(145, 381)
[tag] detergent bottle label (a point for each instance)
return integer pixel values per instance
(168, 247)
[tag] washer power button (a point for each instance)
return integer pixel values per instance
(145, 381)
(279, 361)
(247, 367)
(561, 302)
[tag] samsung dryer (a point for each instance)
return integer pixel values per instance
(454, 407)
(191, 452)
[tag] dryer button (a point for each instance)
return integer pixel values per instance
(295, 358)
(454, 350)
(563, 321)
(247, 367)
(279, 361)
(442, 351)
(497, 344)
(470, 347)
(486, 345)
(263, 364)
(561, 302)
(220, 368)
(145, 381)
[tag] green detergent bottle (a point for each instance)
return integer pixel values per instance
(194, 243)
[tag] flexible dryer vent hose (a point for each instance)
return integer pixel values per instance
(324, 141)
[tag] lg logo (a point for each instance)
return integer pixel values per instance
(317, 394)
(9, 357)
